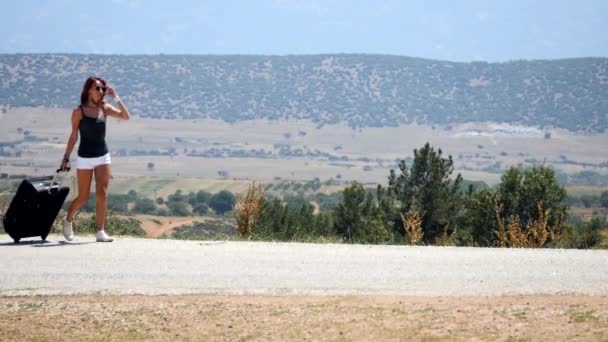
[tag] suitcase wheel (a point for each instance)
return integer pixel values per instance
(17, 239)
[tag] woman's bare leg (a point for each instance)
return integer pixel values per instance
(102, 180)
(84, 186)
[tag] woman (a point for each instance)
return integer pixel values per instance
(89, 121)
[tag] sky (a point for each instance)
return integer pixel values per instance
(453, 30)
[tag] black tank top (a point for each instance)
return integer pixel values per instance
(92, 136)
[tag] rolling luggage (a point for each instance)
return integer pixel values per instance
(35, 207)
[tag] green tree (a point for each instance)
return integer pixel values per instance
(604, 199)
(299, 222)
(177, 196)
(273, 219)
(327, 201)
(222, 202)
(203, 196)
(178, 208)
(521, 189)
(358, 217)
(132, 195)
(278, 222)
(308, 225)
(516, 197)
(191, 198)
(295, 203)
(144, 206)
(117, 202)
(200, 208)
(579, 234)
(428, 182)
(588, 201)
(479, 224)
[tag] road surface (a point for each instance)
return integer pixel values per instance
(158, 266)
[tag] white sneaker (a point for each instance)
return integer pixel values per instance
(67, 231)
(103, 237)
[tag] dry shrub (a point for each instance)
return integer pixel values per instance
(517, 237)
(555, 232)
(538, 233)
(447, 239)
(248, 209)
(534, 235)
(412, 221)
(501, 233)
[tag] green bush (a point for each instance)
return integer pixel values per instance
(604, 199)
(178, 196)
(327, 201)
(582, 235)
(118, 203)
(279, 223)
(222, 202)
(178, 208)
(294, 203)
(203, 196)
(144, 206)
(516, 196)
(200, 209)
(211, 229)
(162, 212)
(114, 225)
(358, 217)
(427, 181)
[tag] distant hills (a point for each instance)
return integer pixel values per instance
(361, 90)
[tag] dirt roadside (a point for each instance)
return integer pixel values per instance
(280, 318)
(157, 226)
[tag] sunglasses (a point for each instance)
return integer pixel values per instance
(104, 89)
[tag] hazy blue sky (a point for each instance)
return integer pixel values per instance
(457, 30)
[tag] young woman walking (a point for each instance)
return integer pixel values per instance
(89, 122)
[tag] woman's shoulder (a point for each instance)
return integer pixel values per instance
(77, 111)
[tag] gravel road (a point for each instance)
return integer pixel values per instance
(151, 266)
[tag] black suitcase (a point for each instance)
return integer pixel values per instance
(34, 207)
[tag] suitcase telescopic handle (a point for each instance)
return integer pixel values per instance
(67, 169)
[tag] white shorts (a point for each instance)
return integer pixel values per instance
(91, 163)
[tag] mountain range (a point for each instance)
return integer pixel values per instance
(360, 90)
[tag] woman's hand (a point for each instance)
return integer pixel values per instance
(121, 112)
(111, 91)
(65, 165)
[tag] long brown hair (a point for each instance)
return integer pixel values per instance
(84, 96)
